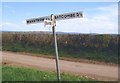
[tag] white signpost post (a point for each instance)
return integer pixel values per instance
(51, 20)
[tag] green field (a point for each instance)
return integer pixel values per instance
(12, 73)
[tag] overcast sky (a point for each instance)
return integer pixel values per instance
(98, 17)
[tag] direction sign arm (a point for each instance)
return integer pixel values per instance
(57, 17)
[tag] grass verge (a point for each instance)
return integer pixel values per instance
(12, 73)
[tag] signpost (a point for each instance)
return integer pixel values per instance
(51, 20)
(57, 17)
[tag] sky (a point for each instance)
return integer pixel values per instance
(98, 17)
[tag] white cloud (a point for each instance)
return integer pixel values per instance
(8, 26)
(112, 8)
(103, 22)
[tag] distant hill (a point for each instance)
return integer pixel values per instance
(50, 32)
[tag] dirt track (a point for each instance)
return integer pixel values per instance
(101, 72)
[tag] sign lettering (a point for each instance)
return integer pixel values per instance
(57, 17)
